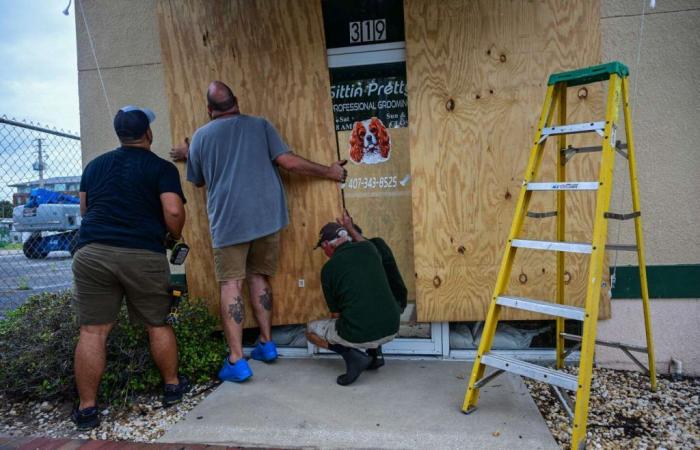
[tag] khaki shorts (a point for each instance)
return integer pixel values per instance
(104, 275)
(258, 257)
(325, 329)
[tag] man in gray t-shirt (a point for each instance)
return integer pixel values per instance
(236, 156)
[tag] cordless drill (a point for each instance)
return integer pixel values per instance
(176, 293)
(178, 249)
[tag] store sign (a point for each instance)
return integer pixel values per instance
(359, 100)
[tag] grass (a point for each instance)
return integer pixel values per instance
(10, 246)
(23, 284)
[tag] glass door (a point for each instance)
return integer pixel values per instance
(366, 59)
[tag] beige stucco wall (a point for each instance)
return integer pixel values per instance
(666, 118)
(127, 46)
(666, 110)
(666, 113)
(676, 333)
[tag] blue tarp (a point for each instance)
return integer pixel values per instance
(41, 196)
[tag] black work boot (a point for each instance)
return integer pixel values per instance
(173, 393)
(377, 358)
(355, 362)
(86, 419)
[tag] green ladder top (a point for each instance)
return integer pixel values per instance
(591, 74)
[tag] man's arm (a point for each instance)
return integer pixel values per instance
(329, 293)
(173, 212)
(192, 157)
(302, 166)
(83, 203)
(393, 275)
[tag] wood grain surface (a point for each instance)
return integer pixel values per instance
(477, 73)
(272, 54)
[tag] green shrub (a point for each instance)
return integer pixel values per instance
(37, 341)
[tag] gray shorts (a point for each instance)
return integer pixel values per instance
(104, 275)
(325, 328)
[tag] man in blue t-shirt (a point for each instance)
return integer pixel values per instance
(236, 157)
(130, 199)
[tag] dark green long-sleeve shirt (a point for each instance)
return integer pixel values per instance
(356, 285)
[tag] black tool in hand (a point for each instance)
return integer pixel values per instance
(176, 293)
(178, 249)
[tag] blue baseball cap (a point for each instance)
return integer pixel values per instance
(131, 121)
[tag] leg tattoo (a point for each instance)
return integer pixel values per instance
(236, 310)
(266, 299)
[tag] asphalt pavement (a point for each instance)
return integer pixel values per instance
(21, 277)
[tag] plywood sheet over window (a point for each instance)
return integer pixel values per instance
(272, 54)
(477, 73)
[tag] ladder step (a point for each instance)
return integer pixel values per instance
(541, 215)
(616, 216)
(570, 151)
(572, 247)
(622, 247)
(634, 348)
(539, 306)
(591, 74)
(526, 369)
(567, 186)
(574, 128)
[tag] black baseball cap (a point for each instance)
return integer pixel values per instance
(131, 122)
(328, 232)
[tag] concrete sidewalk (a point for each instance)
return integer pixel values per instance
(406, 404)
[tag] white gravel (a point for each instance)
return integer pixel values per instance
(143, 420)
(624, 413)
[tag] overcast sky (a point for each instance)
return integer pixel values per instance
(38, 63)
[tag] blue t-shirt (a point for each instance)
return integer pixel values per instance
(235, 157)
(123, 190)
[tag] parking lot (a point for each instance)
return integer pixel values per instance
(21, 277)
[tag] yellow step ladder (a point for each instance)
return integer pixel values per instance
(618, 91)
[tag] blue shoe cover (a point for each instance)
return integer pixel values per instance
(238, 372)
(266, 352)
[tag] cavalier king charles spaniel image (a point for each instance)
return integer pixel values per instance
(370, 142)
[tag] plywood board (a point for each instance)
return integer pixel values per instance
(273, 56)
(477, 73)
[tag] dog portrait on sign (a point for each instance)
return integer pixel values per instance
(370, 142)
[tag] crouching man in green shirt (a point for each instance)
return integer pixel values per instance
(365, 294)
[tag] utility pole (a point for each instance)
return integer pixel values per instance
(40, 162)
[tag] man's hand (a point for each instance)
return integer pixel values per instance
(346, 222)
(337, 172)
(180, 152)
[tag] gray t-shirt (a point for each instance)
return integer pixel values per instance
(234, 156)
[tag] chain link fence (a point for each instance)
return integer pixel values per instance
(40, 172)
